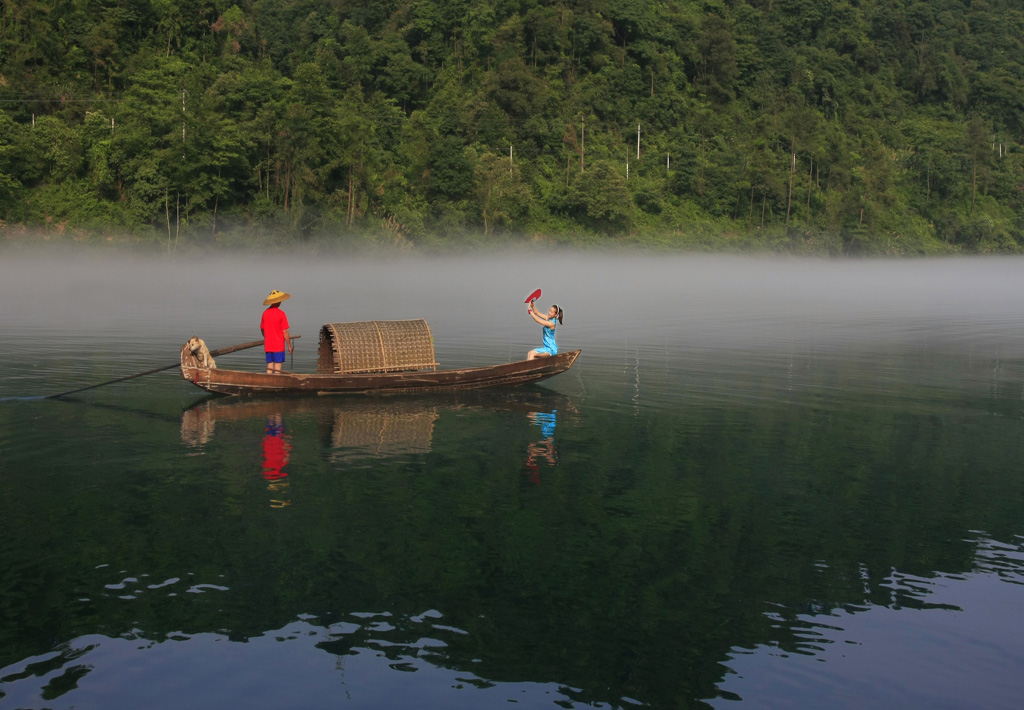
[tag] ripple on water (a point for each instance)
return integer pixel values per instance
(942, 640)
(369, 661)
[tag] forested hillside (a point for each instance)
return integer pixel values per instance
(837, 126)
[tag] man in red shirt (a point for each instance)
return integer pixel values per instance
(274, 326)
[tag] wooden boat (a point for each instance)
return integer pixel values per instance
(385, 357)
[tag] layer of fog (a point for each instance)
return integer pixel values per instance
(673, 301)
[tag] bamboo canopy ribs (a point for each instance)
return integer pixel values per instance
(376, 346)
(387, 357)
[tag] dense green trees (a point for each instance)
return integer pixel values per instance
(849, 127)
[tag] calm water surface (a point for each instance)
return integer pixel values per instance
(765, 483)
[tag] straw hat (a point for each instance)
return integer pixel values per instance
(276, 297)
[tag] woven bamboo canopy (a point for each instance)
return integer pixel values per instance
(376, 346)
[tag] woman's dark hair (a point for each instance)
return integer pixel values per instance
(559, 313)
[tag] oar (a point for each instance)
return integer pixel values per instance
(213, 353)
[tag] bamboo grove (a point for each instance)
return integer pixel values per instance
(830, 126)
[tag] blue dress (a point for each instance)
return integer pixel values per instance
(550, 346)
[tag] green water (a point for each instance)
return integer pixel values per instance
(732, 499)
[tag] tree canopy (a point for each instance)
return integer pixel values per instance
(833, 126)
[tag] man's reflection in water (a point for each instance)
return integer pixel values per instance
(543, 449)
(276, 448)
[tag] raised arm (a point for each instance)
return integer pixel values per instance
(542, 321)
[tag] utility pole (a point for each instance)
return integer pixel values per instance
(638, 140)
(792, 169)
(583, 142)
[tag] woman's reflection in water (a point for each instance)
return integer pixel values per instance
(543, 449)
(276, 448)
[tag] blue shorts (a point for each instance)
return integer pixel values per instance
(542, 350)
(275, 357)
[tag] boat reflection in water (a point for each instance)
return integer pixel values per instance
(350, 428)
(380, 429)
(370, 427)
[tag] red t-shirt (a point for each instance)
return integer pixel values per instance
(273, 324)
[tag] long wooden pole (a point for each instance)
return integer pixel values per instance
(221, 351)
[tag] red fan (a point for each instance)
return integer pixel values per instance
(533, 296)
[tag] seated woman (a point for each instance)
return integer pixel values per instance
(549, 347)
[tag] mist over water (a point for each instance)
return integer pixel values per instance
(677, 315)
(776, 481)
(683, 294)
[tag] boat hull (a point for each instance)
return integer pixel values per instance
(238, 382)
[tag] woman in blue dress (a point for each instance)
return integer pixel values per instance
(549, 347)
